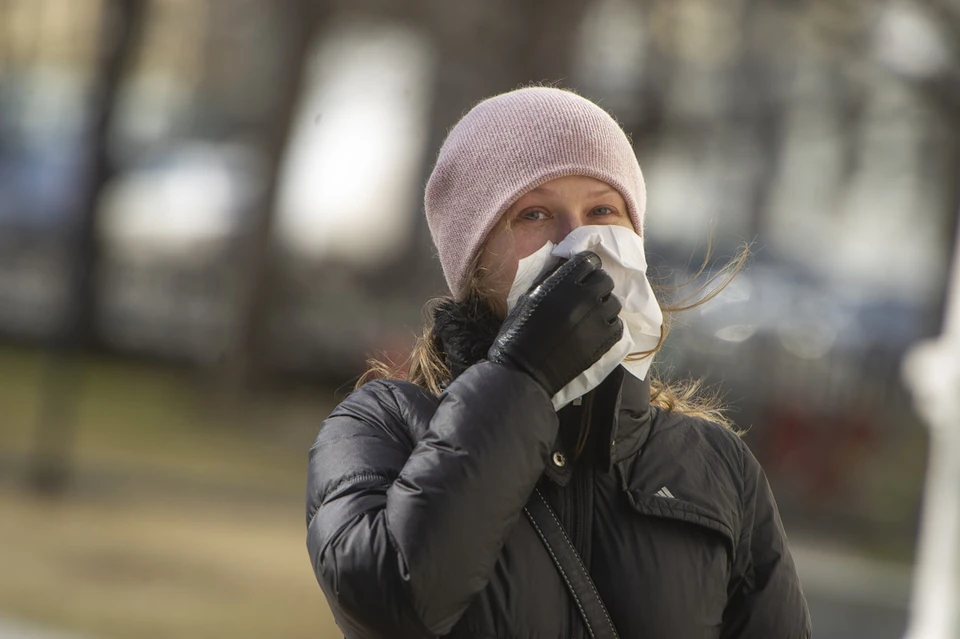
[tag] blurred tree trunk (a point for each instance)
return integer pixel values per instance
(122, 22)
(298, 22)
(951, 178)
(646, 123)
(484, 48)
(765, 113)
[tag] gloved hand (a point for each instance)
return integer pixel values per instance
(562, 325)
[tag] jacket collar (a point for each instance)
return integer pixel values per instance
(620, 416)
(631, 420)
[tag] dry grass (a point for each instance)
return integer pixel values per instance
(130, 416)
(158, 568)
(183, 521)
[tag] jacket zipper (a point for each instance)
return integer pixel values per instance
(580, 482)
(582, 486)
(574, 531)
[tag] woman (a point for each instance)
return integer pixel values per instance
(418, 486)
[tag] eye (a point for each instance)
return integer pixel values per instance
(534, 215)
(604, 211)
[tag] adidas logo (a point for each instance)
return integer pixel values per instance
(665, 492)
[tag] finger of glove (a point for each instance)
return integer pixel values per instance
(611, 305)
(602, 337)
(615, 336)
(586, 342)
(603, 319)
(568, 320)
(566, 294)
(575, 269)
(572, 301)
(599, 282)
(607, 334)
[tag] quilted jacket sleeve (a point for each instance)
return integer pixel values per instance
(766, 599)
(402, 534)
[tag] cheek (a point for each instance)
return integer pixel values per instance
(500, 260)
(501, 255)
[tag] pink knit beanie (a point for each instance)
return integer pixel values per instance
(512, 143)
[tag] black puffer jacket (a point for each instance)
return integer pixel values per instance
(415, 529)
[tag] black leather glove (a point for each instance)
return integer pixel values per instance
(563, 325)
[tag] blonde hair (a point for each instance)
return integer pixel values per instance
(426, 365)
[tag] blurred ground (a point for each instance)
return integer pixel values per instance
(850, 595)
(16, 630)
(203, 536)
(146, 420)
(160, 567)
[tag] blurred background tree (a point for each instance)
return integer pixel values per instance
(120, 28)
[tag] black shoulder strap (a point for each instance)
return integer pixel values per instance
(571, 568)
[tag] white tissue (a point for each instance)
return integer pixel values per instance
(621, 251)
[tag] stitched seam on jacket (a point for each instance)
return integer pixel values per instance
(400, 416)
(679, 511)
(743, 506)
(562, 573)
(347, 481)
(582, 567)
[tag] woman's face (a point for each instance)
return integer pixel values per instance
(546, 214)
